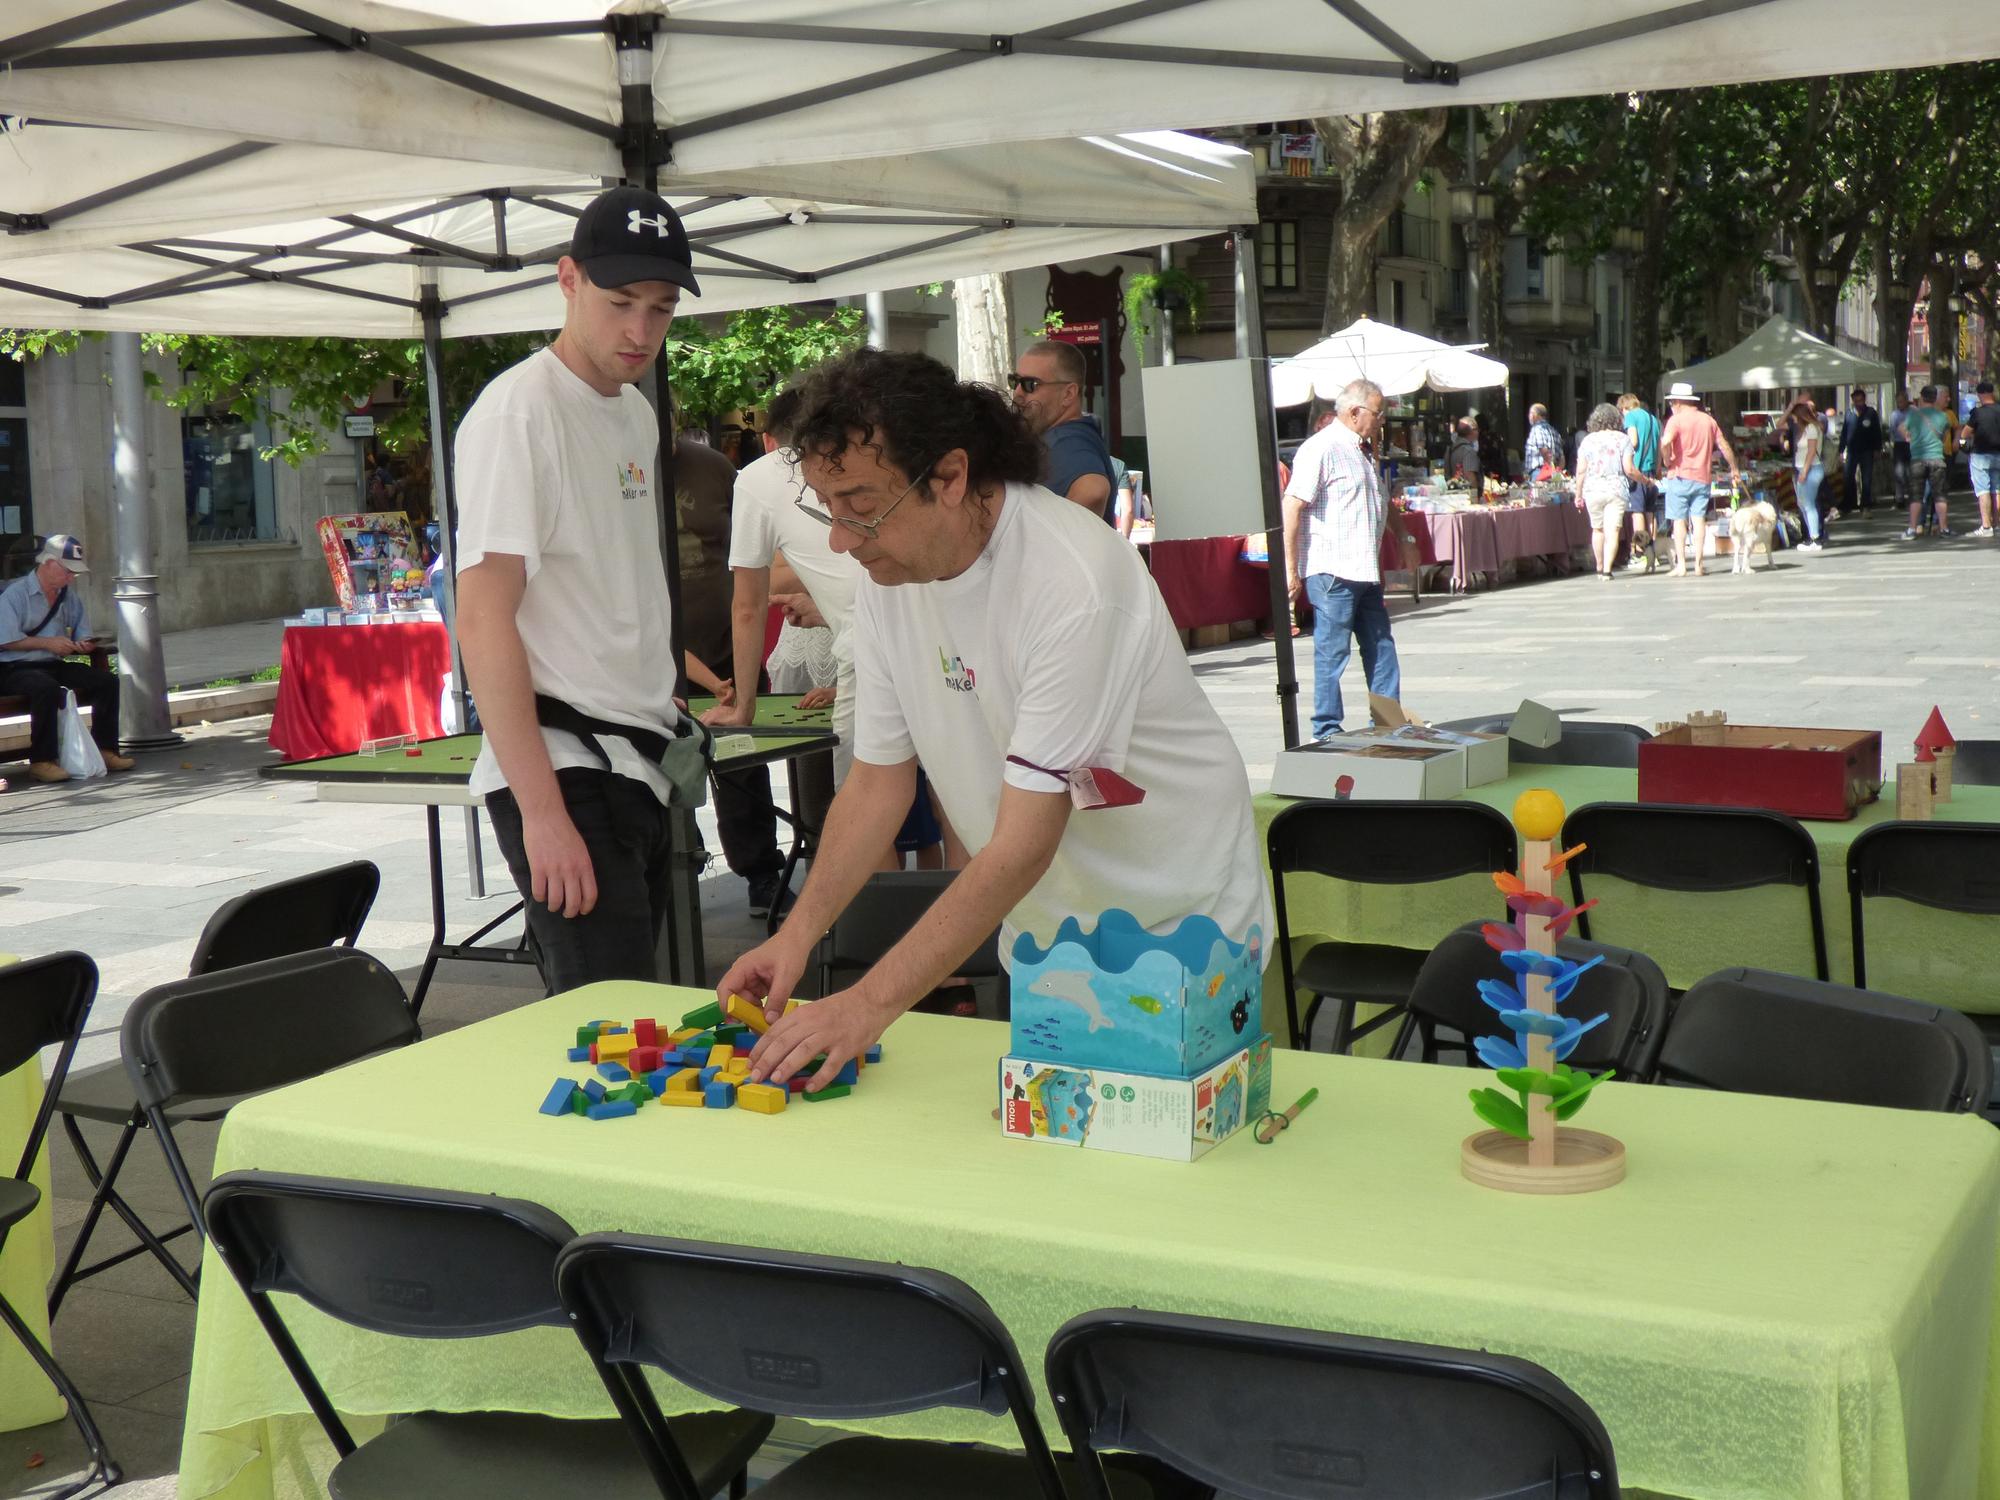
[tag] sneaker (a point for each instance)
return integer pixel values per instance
(1946, 531)
(1984, 531)
(764, 891)
(1637, 562)
(1909, 535)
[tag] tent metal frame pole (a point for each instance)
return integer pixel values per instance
(119, 54)
(1596, 36)
(17, 49)
(1250, 346)
(32, 223)
(144, 722)
(444, 506)
(885, 256)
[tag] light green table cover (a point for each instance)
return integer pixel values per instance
(26, 1397)
(1941, 957)
(1783, 1299)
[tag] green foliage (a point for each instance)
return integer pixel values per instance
(1502, 1113)
(716, 372)
(1052, 322)
(1172, 288)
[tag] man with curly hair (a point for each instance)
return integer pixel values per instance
(1017, 647)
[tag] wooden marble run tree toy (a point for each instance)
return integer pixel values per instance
(1528, 1149)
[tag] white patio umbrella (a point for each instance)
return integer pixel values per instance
(1398, 361)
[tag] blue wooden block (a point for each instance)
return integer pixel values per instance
(850, 1072)
(616, 1072)
(579, 1054)
(673, 1057)
(874, 1053)
(594, 1089)
(694, 1057)
(720, 1094)
(558, 1101)
(657, 1081)
(616, 1031)
(709, 1075)
(612, 1109)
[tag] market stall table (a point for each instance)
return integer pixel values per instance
(1941, 957)
(436, 776)
(1782, 1299)
(1481, 539)
(26, 1397)
(340, 686)
(1207, 581)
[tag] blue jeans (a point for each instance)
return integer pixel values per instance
(1342, 608)
(1807, 487)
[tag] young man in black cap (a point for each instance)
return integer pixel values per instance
(563, 610)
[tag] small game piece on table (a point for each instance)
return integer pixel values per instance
(686, 1079)
(635, 1092)
(612, 1109)
(613, 1045)
(873, 1054)
(796, 1083)
(761, 1098)
(695, 1056)
(615, 1072)
(736, 1067)
(657, 1081)
(720, 1094)
(561, 1092)
(683, 1033)
(413, 750)
(643, 1059)
(831, 1091)
(587, 1035)
(709, 1075)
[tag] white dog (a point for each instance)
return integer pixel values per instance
(1750, 527)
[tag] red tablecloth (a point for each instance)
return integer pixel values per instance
(342, 684)
(1479, 541)
(1207, 582)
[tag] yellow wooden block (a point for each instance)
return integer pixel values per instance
(677, 1037)
(748, 1012)
(719, 1055)
(611, 1048)
(736, 1067)
(685, 1079)
(792, 1005)
(763, 1098)
(683, 1099)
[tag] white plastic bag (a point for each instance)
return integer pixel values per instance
(79, 751)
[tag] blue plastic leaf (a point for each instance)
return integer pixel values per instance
(1566, 1042)
(1496, 1052)
(1534, 1021)
(1502, 1113)
(1499, 994)
(1561, 986)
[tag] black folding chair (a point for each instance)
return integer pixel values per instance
(1585, 742)
(1977, 763)
(1946, 866)
(1446, 1013)
(1713, 850)
(318, 910)
(195, 1047)
(881, 914)
(1373, 843)
(44, 1003)
(1288, 1414)
(806, 1336)
(426, 1263)
(1750, 1031)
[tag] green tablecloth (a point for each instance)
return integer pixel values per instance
(26, 1397)
(1937, 956)
(1783, 1299)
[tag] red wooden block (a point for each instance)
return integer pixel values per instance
(643, 1059)
(646, 1031)
(796, 1085)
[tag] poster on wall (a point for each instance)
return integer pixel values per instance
(374, 563)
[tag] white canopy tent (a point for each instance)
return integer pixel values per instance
(1398, 361)
(1781, 356)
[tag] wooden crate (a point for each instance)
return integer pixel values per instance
(1809, 773)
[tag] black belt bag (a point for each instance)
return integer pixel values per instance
(685, 760)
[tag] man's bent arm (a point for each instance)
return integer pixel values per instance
(1091, 491)
(1294, 509)
(748, 608)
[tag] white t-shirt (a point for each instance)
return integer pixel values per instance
(1055, 648)
(551, 472)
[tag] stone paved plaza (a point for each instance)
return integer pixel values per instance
(1869, 633)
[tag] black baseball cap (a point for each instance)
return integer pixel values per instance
(628, 235)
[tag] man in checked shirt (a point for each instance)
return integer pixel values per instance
(1335, 510)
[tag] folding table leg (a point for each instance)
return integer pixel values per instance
(475, 857)
(435, 847)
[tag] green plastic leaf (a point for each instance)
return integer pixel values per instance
(1529, 1081)
(1502, 1113)
(1569, 1103)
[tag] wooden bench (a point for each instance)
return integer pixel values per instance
(14, 703)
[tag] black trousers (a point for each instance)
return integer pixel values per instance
(746, 821)
(628, 834)
(1860, 478)
(42, 684)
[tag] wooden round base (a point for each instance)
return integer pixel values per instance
(1585, 1161)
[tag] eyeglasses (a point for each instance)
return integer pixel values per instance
(1027, 385)
(866, 528)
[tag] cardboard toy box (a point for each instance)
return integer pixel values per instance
(1139, 1114)
(1411, 761)
(1808, 773)
(1120, 997)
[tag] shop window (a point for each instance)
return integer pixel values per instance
(231, 489)
(17, 511)
(1278, 254)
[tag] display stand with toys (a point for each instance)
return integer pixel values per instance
(704, 1063)
(1529, 1149)
(372, 559)
(1128, 1040)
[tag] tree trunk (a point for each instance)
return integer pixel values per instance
(1943, 330)
(1378, 159)
(985, 329)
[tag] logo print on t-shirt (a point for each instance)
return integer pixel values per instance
(631, 480)
(957, 675)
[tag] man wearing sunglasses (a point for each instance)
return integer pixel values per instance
(1019, 649)
(1048, 390)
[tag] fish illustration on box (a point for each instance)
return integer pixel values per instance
(1118, 996)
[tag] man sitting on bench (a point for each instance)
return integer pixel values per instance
(41, 622)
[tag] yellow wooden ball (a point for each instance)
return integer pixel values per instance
(1538, 813)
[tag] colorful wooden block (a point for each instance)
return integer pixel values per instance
(647, 1030)
(792, 1005)
(796, 1084)
(874, 1053)
(594, 1089)
(580, 1054)
(612, 1109)
(720, 1094)
(719, 1055)
(580, 1102)
(615, 1031)
(703, 1015)
(683, 1099)
(762, 1098)
(614, 1045)
(749, 1012)
(587, 1034)
(831, 1091)
(686, 1079)
(615, 1072)
(643, 1059)
(736, 1067)
(695, 1057)
(635, 1092)
(559, 1096)
(850, 1073)
(672, 1057)
(709, 1075)
(682, 1034)
(657, 1081)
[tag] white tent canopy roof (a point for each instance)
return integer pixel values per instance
(1398, 361)
(1781, 356)
(775, 235)
(741, 84)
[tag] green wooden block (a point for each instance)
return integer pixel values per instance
(580, 1102)
(831, 1091)
(729, 1031)
(704, 1016)
(637, 1092)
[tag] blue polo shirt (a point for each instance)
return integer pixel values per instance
(1076, 449)
(22, 605)
(1645, 430)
